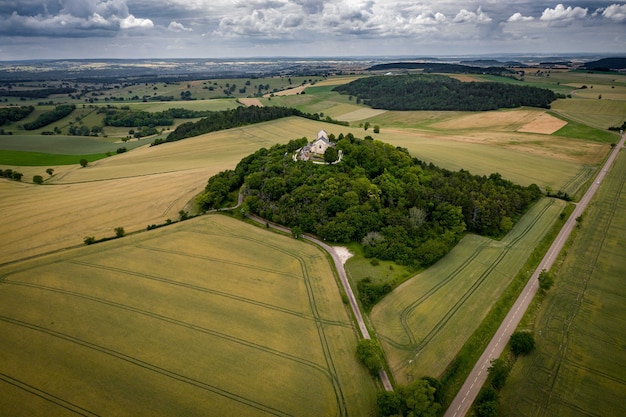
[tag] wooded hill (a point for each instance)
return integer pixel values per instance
(442, 67)
(398, 207)
(438, 92)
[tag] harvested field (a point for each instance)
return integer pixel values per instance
(251, 102)
(174, 322)
(500, 119)
(360, 114)
(424, 322)
(545, 124)
(289, 92)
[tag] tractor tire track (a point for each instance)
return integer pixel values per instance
(60, 402)
(180, 323)
(501, 256)
(148, 366)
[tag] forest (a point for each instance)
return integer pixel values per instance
(442, 67)
(46, 118)
(438, 92)
(125, 117)
(236, 117)
(398, 207)
(14, 114)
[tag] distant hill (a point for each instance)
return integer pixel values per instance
(492, 63)
(606, 64)
(440, 67)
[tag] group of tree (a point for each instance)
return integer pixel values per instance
(398, 207)
(125, 117)
(83, 130)
(442, 67)
(37, 93)
(226, 119)
(438, 92)
(46, 118)
(421, 398)
(14, 114)
(11, 175)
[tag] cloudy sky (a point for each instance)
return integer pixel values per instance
(32, 29)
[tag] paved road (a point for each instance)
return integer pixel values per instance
(466, 396)
(344, 282)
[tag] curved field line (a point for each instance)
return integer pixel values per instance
(444, 320)
(575, 182)
(148, 366)
(202, 289)
(76, 409)
(340, 399)
(180, 323)
(411, 307)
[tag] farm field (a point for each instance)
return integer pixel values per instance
(130, 190)
(176, 322)
(579, 364)
(423, 323)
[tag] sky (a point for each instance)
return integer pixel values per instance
(64, 29)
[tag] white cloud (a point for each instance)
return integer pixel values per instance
(518, 17)
(615, 12)
(130, 22)
(561, 13)
(178, 27)
(465, 16)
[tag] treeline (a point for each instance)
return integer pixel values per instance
(14, 114)
(46, 118)
(441, 67)
(438, 92)
(125, 117)
(38, 93)
(398, 207)
(240, 116)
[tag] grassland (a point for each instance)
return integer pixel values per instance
(423, 323)
(176, 322)
(579, 365)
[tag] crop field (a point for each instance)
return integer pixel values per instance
(131, 190)
(601, 114)
(424, 322)
(207, 317)
(579, 364)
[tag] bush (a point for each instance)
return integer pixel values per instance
(38, 179)
(119, 232)
(83, 162)
(90, 240)
(50, 171)
(370, 354)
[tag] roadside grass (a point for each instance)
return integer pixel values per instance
(578, 366)
(171, 320)
(359, 267)
(424, 323)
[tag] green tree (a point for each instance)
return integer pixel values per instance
(38, 179)
(83, 162)
(331, 154)
(498, 373)
(370, 354)
(522, 343)
(50, 171)
(420, 399)
(545, 280)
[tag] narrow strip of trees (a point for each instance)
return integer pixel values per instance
(46, 118)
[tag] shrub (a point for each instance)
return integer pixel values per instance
(119, 232)
(38, 179)
(50, 171)
(83, 162)
(90, 240)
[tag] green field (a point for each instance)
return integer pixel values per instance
(208, 317)
(423, 323)
(579, 364)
